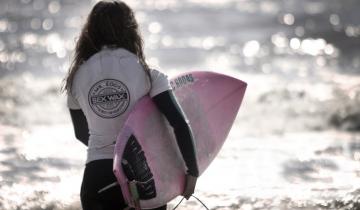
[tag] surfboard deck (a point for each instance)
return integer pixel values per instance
(146, 150)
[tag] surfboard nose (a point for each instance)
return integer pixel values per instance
(218, 87)
(215, 99)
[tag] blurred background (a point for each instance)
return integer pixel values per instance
(295, 143)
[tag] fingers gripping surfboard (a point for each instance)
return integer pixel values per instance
(148, 164)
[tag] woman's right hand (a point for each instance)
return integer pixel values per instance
(190, 183)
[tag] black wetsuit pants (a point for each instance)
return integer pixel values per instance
(97, 175)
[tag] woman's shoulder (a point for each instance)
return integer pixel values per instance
(95, 60)
(158, 76)
(110, 52)
(116, 53)
(157, 73)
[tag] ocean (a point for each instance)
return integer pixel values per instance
(295, 143)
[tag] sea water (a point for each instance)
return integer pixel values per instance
(295, 142)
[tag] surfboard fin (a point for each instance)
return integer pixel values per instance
(137, 170)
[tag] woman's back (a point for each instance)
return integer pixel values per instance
(105, 88)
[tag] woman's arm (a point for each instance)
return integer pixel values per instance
(168, 105)
(80, 125)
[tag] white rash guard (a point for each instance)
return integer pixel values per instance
(105, 88)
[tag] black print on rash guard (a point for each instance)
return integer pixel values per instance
(109, 98)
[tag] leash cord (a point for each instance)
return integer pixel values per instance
(178, 203)
(195, 198)
(201, 202)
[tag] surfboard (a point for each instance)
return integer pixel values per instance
(147, 162)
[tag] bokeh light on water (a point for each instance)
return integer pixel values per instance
(295, 143)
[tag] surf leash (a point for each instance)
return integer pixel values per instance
(134, 194)
(202, 203)
(108, 187)
(178, 203)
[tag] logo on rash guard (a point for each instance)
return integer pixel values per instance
(109, 98)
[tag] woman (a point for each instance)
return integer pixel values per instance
(107, 77)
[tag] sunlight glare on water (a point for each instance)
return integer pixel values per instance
(289, 19)
(55, 44)
(4, 24)
(313, 46)
(251, 48)
(54, 7)
(155, 27)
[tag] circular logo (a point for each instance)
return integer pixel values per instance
(109, 98)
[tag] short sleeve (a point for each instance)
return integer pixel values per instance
(72, 103)
(159, 83)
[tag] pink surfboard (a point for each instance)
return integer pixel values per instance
(153, 161)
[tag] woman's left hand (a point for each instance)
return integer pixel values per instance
(190, 184)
